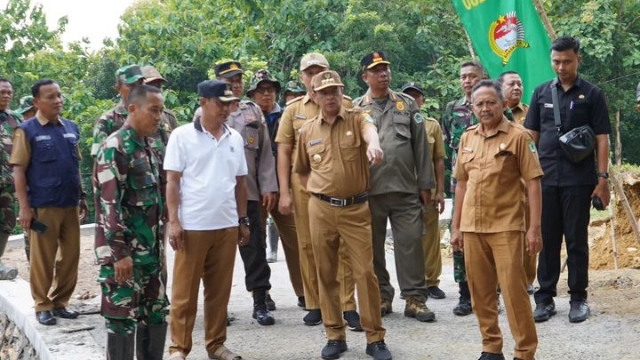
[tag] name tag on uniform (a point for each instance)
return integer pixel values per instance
(43, 137)
(69, 135)
(315, 142)
(301, 117)
(467, 149)
(548, 106)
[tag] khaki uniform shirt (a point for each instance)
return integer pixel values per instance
(436, 143)
(493, 165)
(519, 113)
(297, 112)
(406, 167)
(335, 155)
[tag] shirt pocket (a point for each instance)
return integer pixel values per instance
(402, 125)
(468, 164)
(317, 156)
(350, 147)
(143, 184)
(46, 150)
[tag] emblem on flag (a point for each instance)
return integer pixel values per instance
(506, 34)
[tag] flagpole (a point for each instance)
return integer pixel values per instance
(545, 19)
(470, 45)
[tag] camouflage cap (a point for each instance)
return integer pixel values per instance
(26, 104)
(412, 86)
(129, 74)
(294, 87)
(262, 76)
(228, 69)
(374, 59)
(326, 79)
(313, 59)
(151, 74)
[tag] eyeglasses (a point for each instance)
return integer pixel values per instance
(263, 91)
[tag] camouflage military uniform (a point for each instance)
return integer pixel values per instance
(9, 120)
(128, 223)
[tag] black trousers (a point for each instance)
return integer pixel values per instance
(254, 254)
(565, 211)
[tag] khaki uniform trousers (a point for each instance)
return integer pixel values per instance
(54, 273)
(208, 255)
(307, 261)
(530, 262)
(492, 258)
(431, 245)
(286, 225)
(352, 224)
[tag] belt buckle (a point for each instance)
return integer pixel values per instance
(338, 202)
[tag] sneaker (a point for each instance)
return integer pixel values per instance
(530, 289)
(353, 320)
(7, 273)
(271, 305)
(436, 293)
(262, 315)
(301, 302)
(579, 311)
(544, 312)
(491, 356)
(385, 307)
(378, 350)
(500, 307)
(417, 309)
(333, 349)
(463, 308)
(314, 317)
(272, 257)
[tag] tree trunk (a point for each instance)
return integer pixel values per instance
(618, 148)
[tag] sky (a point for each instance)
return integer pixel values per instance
(94, 19)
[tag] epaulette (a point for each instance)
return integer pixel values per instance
(405, 97)
(431, 119)
(472, 127)
(347, 97)
(294, 100)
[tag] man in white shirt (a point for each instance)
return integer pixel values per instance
(207, 203)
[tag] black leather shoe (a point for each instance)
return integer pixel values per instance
(271, 305)
(65, 314)
(436, 293)
(333, 349)
(463, 308)
(314, 317)
(544, 312)
(379, 351)
(353, 320)
(491, 356)
(263, 315)
(301, 302)
(46, 318)
(579, 311)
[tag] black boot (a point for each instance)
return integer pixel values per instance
(463, 307)
(150, 340)
(260, 311)
(120, 346)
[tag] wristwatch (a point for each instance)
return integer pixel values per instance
(604, 175)
(244, 221)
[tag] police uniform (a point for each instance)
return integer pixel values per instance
(9, 121)
(299, 111)
(394, 194)
(334, 158)
(48, 150)
(492, 222)
(127, 178)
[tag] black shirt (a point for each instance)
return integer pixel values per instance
(582, 104)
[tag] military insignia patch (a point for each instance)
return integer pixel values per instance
(532, 146)
(418, 118)
(400, 105)
(252, 139)
(506, 35)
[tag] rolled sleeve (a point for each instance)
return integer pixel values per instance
(21, 151)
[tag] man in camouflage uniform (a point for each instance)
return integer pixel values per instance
(293, 90)
(129, 239)
(9, 120)
(457, 117)
(27, 110)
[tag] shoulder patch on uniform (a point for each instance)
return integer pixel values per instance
(418, 118)
(532, 146)
(294, 100)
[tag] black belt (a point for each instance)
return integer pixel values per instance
(342, 202)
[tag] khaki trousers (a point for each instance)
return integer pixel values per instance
(493, 258)
(208, 255)
(286, 225)
(530, 262)
(352, 224)
(307, 261)
(431, 246)
(53, 278)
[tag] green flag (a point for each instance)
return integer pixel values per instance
(508, 35)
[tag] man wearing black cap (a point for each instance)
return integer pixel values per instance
(207, 201)
(262, 185)
(431, 236)
(400, 186)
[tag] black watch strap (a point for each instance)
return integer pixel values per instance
(244, 221)
(604, 175)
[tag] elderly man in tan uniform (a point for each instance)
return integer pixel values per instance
(298, 112)
(334, 153)
(488, 220)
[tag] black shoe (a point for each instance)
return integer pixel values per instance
(353, 320)
(378, 350)
(301, 302)
(333, 349)
(314, 317)
(491, 356)
(463, 308)
(579, 311)
(544, 312)
(64, 313)
(530, 290)
(263, 315)
(271, 305)
(436, 293)
(46, 318)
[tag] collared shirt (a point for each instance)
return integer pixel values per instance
(406, 167)
(494, 165)
(582, 104)
(209, 168)
(335, 155)
(436, 144)
(296, 113)
(519, 113)
(108, 123)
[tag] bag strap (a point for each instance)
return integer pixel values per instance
(556, 105)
